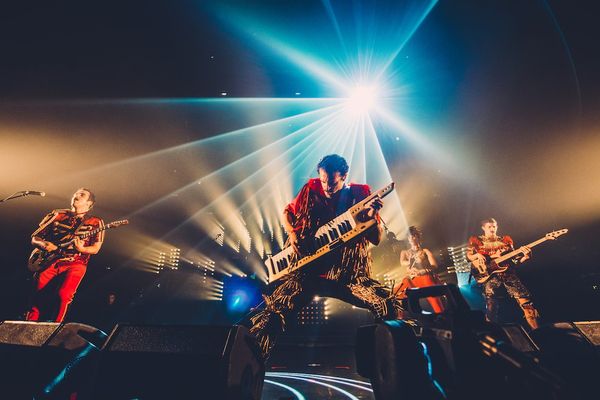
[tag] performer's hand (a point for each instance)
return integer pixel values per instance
(480, 257)
(79, 244)
(411, 272)
(374, 207)
(526, 253)
(293, 241)
(49, 246)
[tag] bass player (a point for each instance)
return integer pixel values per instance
(491, 245)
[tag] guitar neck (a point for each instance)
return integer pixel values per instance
(93, 232)
(87, 234)
(513, 253)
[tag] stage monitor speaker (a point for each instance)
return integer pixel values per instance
(581, 338)
(177, 362)
(591, 330)
(517, 336)
(47, 360)
(389, 354)
(572, 349)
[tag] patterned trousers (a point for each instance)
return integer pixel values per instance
(515, 289)
(297, 291)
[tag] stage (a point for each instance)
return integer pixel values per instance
(314, 372)
(164, 164)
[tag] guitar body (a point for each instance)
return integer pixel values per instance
(483, 271)
(40, 260)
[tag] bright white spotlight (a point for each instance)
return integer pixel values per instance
(362, 98)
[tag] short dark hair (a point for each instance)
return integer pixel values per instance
(488, 221)
(332, 163)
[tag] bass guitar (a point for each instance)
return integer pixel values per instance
(484, 270)
(40, 259)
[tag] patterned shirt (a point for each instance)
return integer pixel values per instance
(311, 209)
(489, 246)
(60, 225)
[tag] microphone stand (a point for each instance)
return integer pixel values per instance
(14, 196)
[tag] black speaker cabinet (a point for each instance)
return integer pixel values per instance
(177, 362)
(47, 360)
(390, 356)
(572, 349)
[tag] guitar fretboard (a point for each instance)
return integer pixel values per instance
(103, 228)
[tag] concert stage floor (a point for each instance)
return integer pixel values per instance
(314, 372)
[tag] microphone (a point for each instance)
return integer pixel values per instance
(34, 193)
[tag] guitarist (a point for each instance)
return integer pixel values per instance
(491, 245)
(58, 227)
(344, 273)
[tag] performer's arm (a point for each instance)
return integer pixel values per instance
(526, 254)
(43, 244)
(37, 237)
(375, 234)
(431, 259)
(472, 253)
(405, 262)
(92, 248)
(82, 248)
(288, 219)
(526, 250)
(404, 258)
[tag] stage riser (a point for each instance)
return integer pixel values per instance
(51, 360)
(157, 362)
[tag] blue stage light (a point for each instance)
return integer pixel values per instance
(241, 294)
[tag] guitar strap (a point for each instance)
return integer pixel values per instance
(74, 234)
(77, 226)
(45, 222)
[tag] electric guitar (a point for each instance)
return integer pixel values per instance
(484, 270)
(40, 259)
(337, 232)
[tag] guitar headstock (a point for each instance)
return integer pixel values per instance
(555, 234)
(120, 222)
(387, 189)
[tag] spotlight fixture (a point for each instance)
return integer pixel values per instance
(362, 98)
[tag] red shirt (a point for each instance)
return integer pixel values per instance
(488, 246)
(312, 204)
(58, 227)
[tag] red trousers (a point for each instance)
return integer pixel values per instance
(73, 272)
(420, 281)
